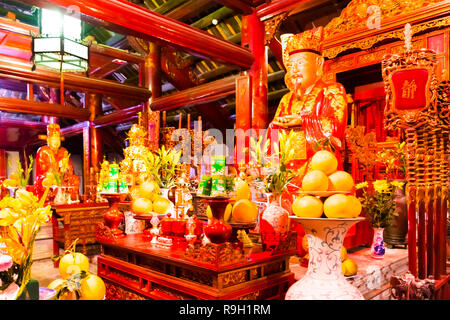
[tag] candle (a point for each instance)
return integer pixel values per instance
(164, 118)
(188, 121)
(180, 119)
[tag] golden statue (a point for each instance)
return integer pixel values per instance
(316, 110)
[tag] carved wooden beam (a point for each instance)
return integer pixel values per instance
(238, 6)
(118, 116)
(128, 18)
(204, 93)
(22, 124)
(75, 129)
(21, 70)
(43, 108)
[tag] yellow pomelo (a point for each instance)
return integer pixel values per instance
(92, 288)
(142, 206)
(161, 205)
(307, 206)
(209, 212)
(340, 181)
(355, 206)
(325, 161)
(242, 190)
(228, 211)
(336, 206)
(244, 211)
(315, 180)
(10, 183)
(343, 253)
(148, 189)
(72, 263)
(14, 176)
(56, 283)
(349, 267)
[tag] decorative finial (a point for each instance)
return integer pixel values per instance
(408, 37)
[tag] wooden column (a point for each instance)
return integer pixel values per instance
(93, 103)
(253, 36)
(152, 81)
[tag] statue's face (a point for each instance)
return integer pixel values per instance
(306, 68)
(54, 142)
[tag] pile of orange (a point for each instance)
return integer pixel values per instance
(323, 176)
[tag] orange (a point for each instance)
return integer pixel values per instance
(244, 211)
(161, 205)
(340, 181)
(92, 288)
(355, 206)
(325, 161)
(336, 206)
(307, 206)
(315, 180)
(242, 190)
(142, 206)
(72, 263)
(148, 189)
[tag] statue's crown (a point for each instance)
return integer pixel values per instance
(308, 41)
(53, 129)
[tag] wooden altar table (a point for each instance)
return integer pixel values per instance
(78, 221)
(132, 268)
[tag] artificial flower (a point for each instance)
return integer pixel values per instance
(381, 186)
(361, 185)
(397, 184)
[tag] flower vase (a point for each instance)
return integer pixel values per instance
(324, 279)
(113, 217)
(377, 249)
(217, 230)
(274, 223)
(395, 233)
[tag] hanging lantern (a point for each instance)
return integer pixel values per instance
(59, 45)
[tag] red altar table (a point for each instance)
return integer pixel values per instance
(132, 268)
(78, 221)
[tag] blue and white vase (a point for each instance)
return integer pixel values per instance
(377, 250)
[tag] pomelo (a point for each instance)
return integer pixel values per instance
(324, 161)
(340, 181)
(354, 207)
(315, 180)
(244, 211)
(336, 206)
(142, 206)
(307, 206)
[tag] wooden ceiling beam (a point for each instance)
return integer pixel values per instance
(187, 10)
(274, 8)
(43, 108)
(237, 6)
(211, 91)
(116, 117)
(21, 70)
(128, 18)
